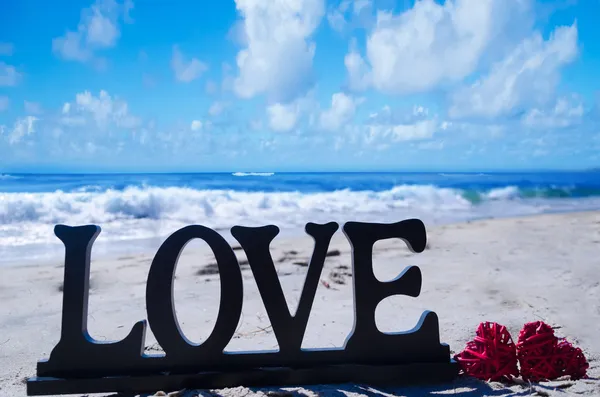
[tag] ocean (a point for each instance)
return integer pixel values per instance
(138, 211)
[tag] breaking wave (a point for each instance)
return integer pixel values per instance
(7, 177)
(147, 212)
(253, 174)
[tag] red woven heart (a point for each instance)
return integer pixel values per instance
(572, 360)
(491, 355)
(543, 356)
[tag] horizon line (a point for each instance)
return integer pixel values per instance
(470, 171)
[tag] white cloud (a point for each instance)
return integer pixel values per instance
(336, 17)
(32, 107)
(71, 120)
(9, 76)
(186, 71)
(400, 116)
(283, 118)
(359, 76)
(432, 43)
(525, 77)
(237, 34)
(565, 113)
(98, 29)
(414, 126)
(387, 127)
(404, 132)
(23, 127)
(101, 31)
(6, 49)
(69, 47)
(196, 125)
(350, 14)
(4, 102)
(217, 108)
(103, 110)
(361, 5)
(340, 113)
(277, 60)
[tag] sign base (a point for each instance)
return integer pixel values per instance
(397, 375)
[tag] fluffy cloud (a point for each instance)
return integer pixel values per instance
(433, 43)
(359, 76)
(103, 110)
(196, 125)
(98, 29)
(385, 128)
(23, 127)
(4, 101)
(9, 76)
(186, 70)
(283, 118)
(524, 78)
(302, 112)
(565, 113)
(350, 14)
(406, 132)
(277, 60)
(341, 112)
(390, 126)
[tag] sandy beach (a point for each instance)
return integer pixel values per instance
(510, 271)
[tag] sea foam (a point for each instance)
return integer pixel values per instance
(148, 212)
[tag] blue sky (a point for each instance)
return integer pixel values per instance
(299, 85)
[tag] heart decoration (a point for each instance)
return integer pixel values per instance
(491, 356)
(543, 356)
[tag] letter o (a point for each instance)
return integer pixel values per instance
(160, 305)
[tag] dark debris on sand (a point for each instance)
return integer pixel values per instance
(212, 268)
(339, 274)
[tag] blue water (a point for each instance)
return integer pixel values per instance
(148, 207)
(563, 184)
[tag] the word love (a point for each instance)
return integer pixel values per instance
(80, 364)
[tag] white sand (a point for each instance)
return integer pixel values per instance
(510, 271)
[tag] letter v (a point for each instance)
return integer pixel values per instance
(289, 330)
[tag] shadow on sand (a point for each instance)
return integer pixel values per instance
(463, 387)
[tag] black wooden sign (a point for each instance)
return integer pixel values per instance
(80, 364)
